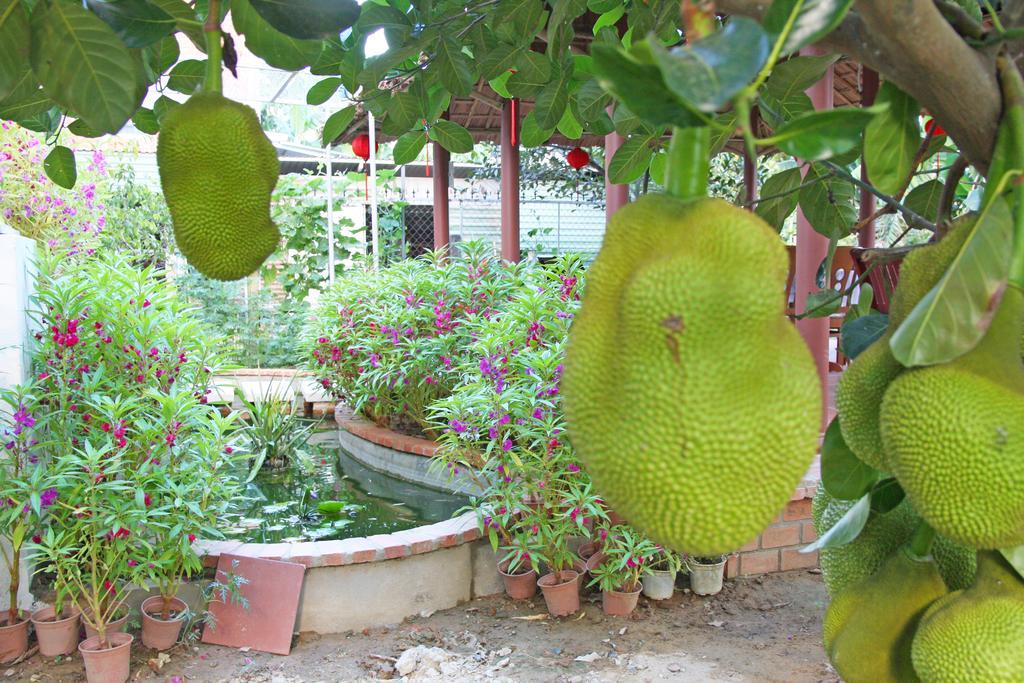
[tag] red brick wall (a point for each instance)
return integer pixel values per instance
(778, 547)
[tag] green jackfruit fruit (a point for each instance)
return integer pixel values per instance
(976, 634)
(218, 169)
(878, 540)
(862, 385)
(954, 435)
(869, 627)
(683, 377)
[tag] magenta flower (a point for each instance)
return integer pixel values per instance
(506, 445)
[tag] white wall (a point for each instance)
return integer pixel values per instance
(17, 278)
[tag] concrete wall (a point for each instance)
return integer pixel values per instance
(17, 281)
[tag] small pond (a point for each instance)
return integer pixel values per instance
(329, 495)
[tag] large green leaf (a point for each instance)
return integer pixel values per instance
(640, 87)
(163, 106)
(323, 90)
(828, 204)
(336, 123)
(1015, 556)
(552, 100)
(15, 37)
(453, 67)
(185, 20)
(924, 199)
(145, 120)
(846, 529)
(630, 160)
(953, 316)
(891, 140)
(592, 100)
(815, 19)
(83, 66)
(783, 97)
(308, 18)
(842, 473)
(186, 76)
(708, 72)
(860, 333)
(266, 42)
(532, 74)
(451, 136)
(517, 21)
(780, 197)
(500, 59)
(531, 134)
(404, 110)
(823, 134)
(395, 24)
(60, 166)
(409, 146)
(328, 62)
(136, 22)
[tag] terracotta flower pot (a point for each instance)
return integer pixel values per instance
(115, 626)
(579, 565)
(588, 549)
(13, 638)
(158, 633)
(56, 636)
(519, 586)
(620, 603)
(110, 665)
(595, 560)
(561, 598)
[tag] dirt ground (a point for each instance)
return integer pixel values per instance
(761, 629)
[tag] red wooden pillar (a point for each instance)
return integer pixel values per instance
(615, 196)
(442, 157)
(811, 248)
(868, 91)
(510, 180)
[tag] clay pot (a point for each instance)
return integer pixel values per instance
(56, 636)
(519, 586)
(13, 638)
(588, 549)
(561, 598)
(659, 584)
(111, 665)
(157, 633)
(619, 603)
(595, 560)
(115, 626)
(580, 567)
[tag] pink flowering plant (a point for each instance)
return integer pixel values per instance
(68, 220)
(628, 556)
(391, 342)
(142, 461)
(27, 485)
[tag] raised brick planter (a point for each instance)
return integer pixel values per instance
(778, 547)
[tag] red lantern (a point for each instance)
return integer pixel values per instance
(361, 146)
(932, 126)
(577, 158)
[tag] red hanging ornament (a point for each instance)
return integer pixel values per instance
(932, 126)
(361, 146)
(577, 158)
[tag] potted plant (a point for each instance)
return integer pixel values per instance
(660, 581)
(706, 574)
(184, 495)
(627, 558)
(26, 493)
(90, 542)
(550, 546)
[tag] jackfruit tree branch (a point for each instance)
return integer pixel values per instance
(212, 82)
(912, 45)
(689, 162)
(921, 542)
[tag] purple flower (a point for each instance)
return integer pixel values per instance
(505, 419)
(538, 414)
(23, 419)
(458, 426)
(493, 433)
(48, 497)
(573, 467)
(506, 445)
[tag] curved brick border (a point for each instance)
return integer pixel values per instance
(358, 425)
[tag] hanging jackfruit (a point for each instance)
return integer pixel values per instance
(954, 435)
(862, 385)
(883, 534)
(690, 397)
(976, 634)
(869, 627)
(217, 170)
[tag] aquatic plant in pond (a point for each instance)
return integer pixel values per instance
(325, 494)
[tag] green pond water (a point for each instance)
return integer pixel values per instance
(329, 495)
